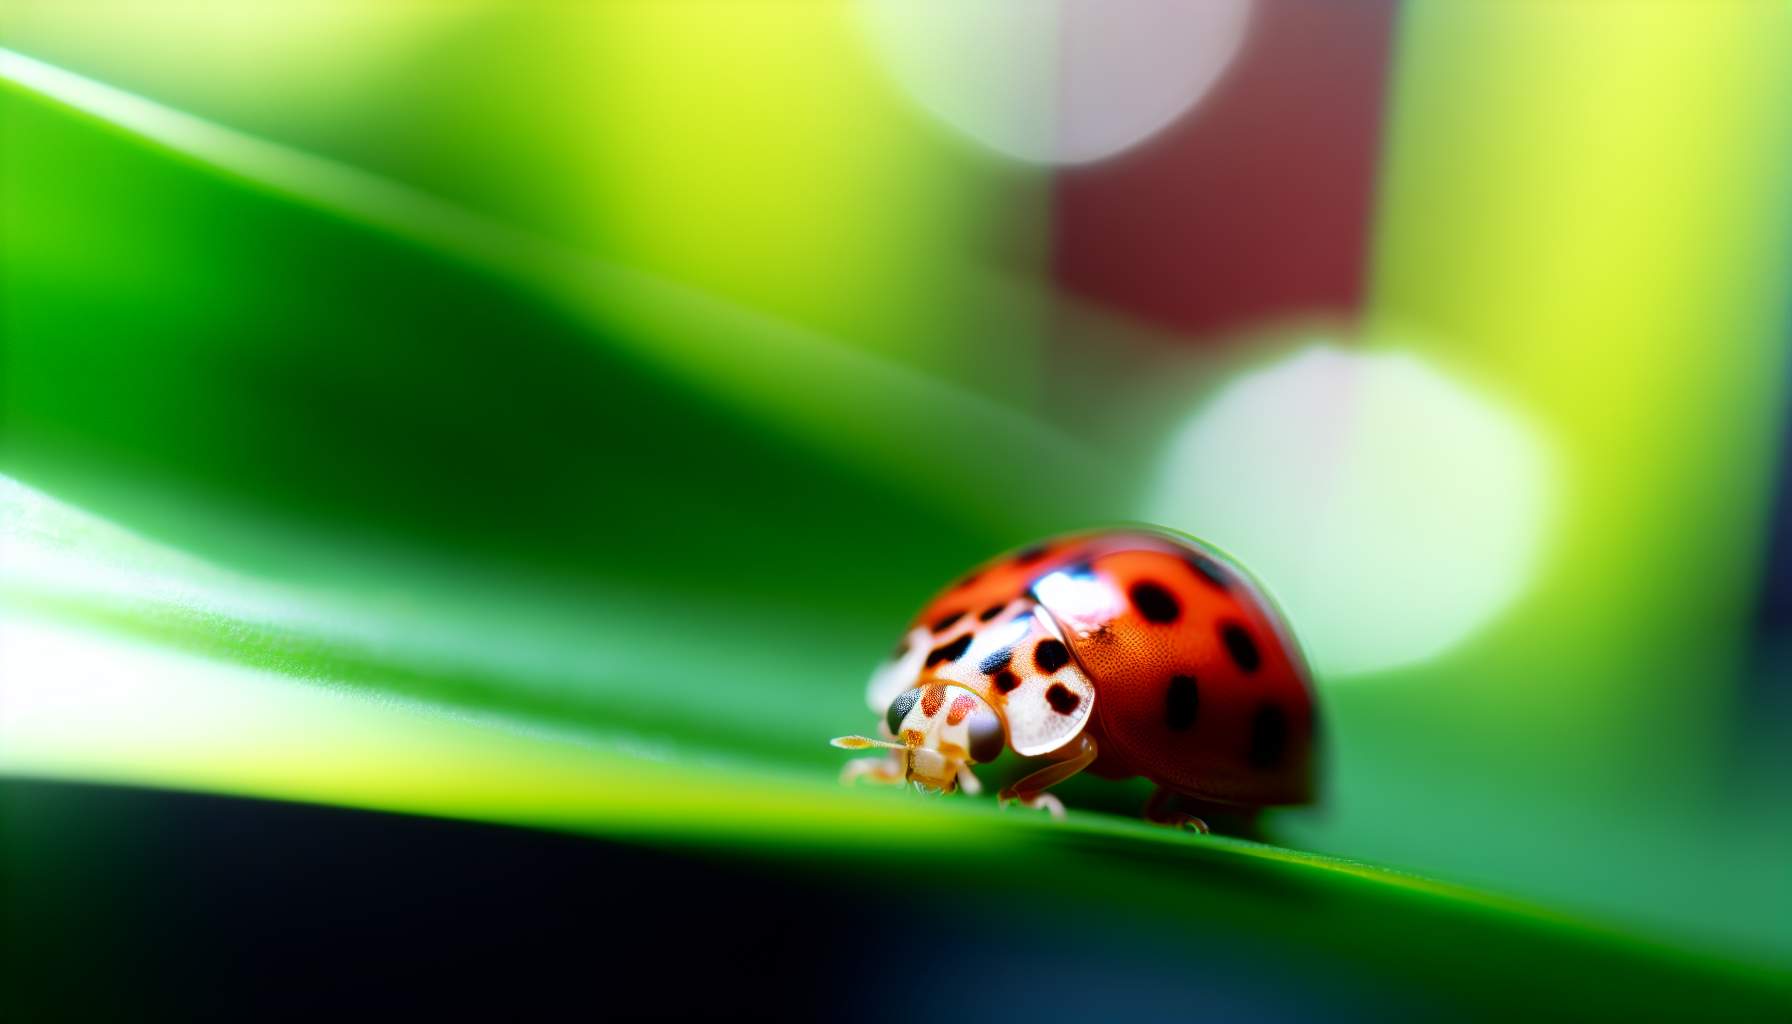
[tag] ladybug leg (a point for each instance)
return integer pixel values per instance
(1031, 790)
(1046, 802)
(1162, 809)
(884, 770)
(967, 781)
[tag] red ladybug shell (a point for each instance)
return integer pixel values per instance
(1194, 681)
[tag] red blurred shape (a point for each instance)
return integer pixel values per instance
(1255, 205)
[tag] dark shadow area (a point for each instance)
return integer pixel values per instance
(137, 904)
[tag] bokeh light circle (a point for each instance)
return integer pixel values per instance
(1390, 510)
(1057, 81)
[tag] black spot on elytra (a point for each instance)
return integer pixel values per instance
(1240, 646)
(1154, 602)
(944, 622)
(1050, 656)
(1182, 701)
(1061, 699)
(1006, 681)
(1209, 570)
(997, 661)
(1031, 555)
(948, 652)
(1269, 736)
(899, 709)
(967, 581)
(991, 612)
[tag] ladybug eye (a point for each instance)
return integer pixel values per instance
(987, 739)
(899, 709)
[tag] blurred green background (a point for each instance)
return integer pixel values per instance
(548, 413)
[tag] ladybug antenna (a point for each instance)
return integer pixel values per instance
(863, 743)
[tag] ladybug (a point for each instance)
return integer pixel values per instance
(1120, 652)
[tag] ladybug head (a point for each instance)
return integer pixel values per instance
(938, 729)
